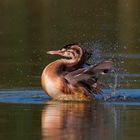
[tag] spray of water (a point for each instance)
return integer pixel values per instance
(108, 51)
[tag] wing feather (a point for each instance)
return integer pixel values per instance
(89, 72)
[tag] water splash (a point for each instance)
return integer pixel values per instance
(113, 87)
(103, 50)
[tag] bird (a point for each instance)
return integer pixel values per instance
(68, 79)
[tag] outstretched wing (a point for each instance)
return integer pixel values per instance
(87, 75)
(88, 72)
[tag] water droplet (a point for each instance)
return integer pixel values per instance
(125, 47)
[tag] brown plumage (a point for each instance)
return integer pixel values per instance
(67, 79)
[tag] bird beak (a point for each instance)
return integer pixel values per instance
(57, 52)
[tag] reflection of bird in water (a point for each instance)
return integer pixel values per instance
(65, 120)
(78, 121)
(68, 79)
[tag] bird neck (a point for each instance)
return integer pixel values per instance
(60, 67)
(72, 64)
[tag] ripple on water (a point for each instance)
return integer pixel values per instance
(23, 96)
(124, 96)
(127, 96)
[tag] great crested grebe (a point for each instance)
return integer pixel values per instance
(68, 80)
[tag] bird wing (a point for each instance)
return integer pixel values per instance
(89, 72)
(87, 75)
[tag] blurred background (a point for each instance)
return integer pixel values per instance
(29, 28)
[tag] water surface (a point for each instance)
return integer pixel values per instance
(57, 120)
(30, 28)
(31, 114)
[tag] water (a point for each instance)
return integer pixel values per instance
(31, 114)
(30, 28)
(25, 96)
(40, 118)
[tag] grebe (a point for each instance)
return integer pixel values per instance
(67, 79)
